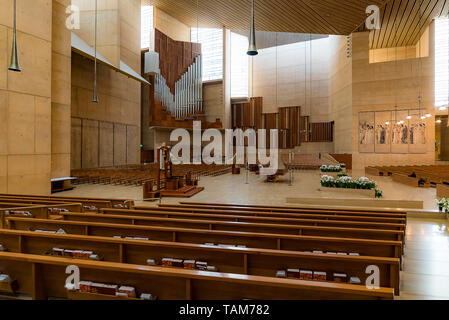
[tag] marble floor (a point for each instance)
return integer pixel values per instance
(231, 188)
(425, 273)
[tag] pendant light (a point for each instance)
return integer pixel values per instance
(14, 66)
(95, 98)
(252, 50)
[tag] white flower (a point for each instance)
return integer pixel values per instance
(364, 179)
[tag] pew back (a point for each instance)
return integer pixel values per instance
(44, 277)
(313, 220)
(250, 261)
(210, 224)
(380, 248)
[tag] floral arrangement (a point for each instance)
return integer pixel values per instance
(350, 183)
(443, 204)
(336, 168)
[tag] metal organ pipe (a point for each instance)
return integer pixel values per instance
(187, 99)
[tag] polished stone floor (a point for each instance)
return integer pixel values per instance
(426, 260)
(230, 188)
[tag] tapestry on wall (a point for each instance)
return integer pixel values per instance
(366, 132)
(383, 132)
(398, 132)
(418, 137)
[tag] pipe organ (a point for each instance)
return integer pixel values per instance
(187, 100)
(178, 84)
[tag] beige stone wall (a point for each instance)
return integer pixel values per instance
(107, 132)
(213, 101)
(129, 14)
(170, 26)
(61, 92)
(108, 27)
(295, 85)
(402, 53)
(25, 98)
(340, 94)
(374, 88)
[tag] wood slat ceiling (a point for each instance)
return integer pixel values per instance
(404, 21)
(296, 16)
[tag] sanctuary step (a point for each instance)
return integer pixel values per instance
(184, 192)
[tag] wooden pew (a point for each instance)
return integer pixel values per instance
(40, 212)
(101, 202)
(405, 179)
(304, 214)
(378, 248)
(44, 277)
(292, 209)
(95, 204)
(210, 224)
(318, 221)
(261, 262)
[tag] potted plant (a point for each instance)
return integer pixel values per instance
(443, 204)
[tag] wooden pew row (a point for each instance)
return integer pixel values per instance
(210, 224)
(88, 205)
(304, 214)
(358, 211)
(365, 247)
(405, 179)
(260, 262)
(313, 221)
(83, 200)
(432, 175)
(40, 212)
(44, 277)
(12, 204)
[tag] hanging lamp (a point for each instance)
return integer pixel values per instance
(14, 65)
(252, 50)
(95, 97)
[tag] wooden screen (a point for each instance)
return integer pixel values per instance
(304, 128)
(247, 114)
(322, 132)
(175, 57)
(289, 127)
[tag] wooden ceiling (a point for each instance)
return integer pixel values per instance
(295, 16)
(404, 21)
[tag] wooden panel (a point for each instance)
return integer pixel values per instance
(247, 114)
(89, 143)
(307, 16)
(322, 132)
(175, 57)
(106, 145)
(132, 144)
(119, 144)
(76, 141)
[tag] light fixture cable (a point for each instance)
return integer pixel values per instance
(14, 65)
(95, 98)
